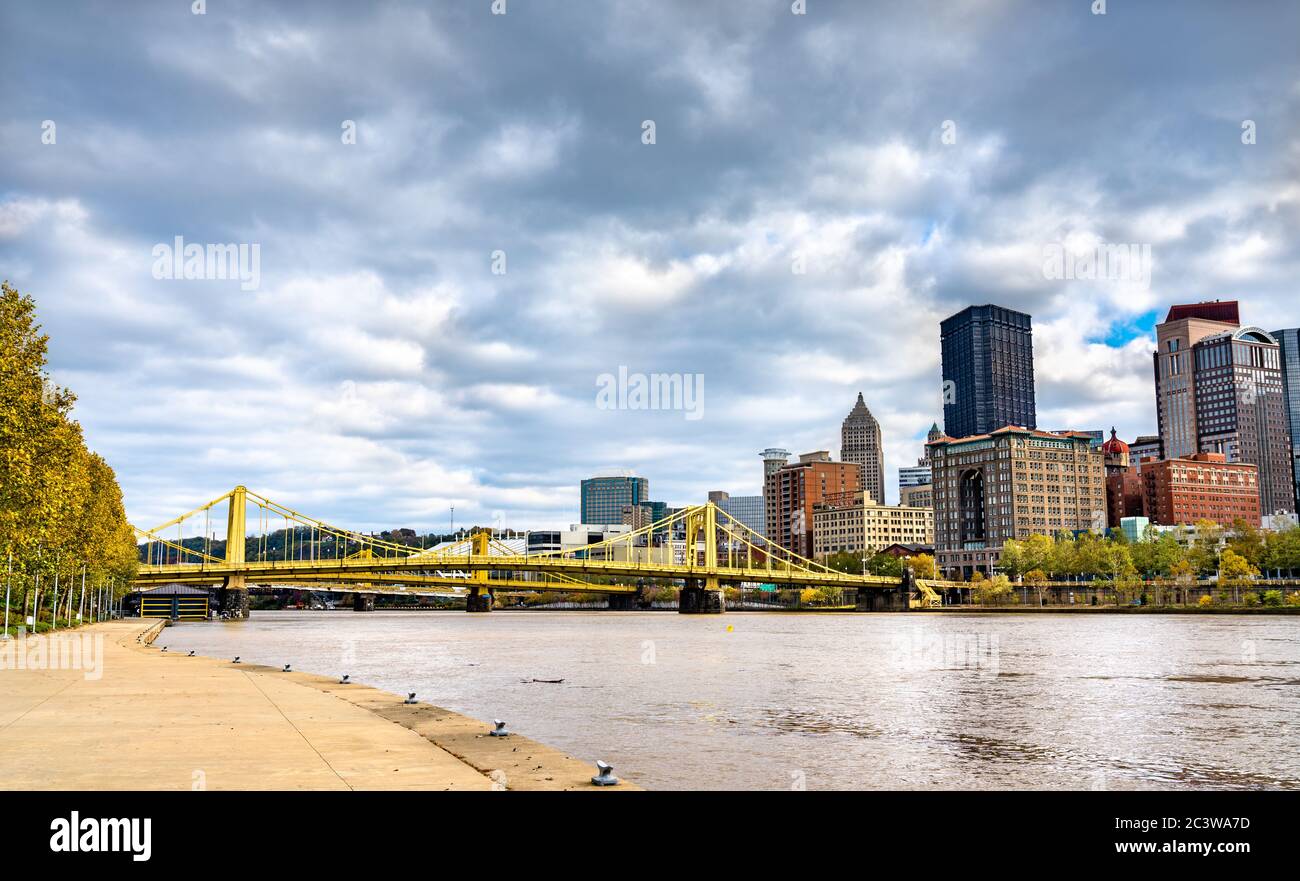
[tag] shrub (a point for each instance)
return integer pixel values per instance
(1272, 598)
(1206, 600)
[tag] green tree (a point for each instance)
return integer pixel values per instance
(60, 505)
(992, 591)
(1247, 541)
(1235, 573)
(923, 566)
(1037, 579)
(1204, 554)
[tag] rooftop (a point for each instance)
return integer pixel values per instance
(1212, 310)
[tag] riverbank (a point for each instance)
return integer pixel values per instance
(105, 708)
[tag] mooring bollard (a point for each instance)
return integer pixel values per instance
(286, 668)
(191, 654)
(344, 680)
(499, 730)
(236, 660)
(606, 776)
(410, 698)
(164, 648)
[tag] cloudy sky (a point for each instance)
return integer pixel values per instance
(913, 158)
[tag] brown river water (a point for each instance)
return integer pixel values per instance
(837, 701)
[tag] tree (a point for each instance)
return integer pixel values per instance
(1235, 572)
(60, 505)
(1036, 578)
(1012, 560)
(1183, 574)
(992, 591)
(923, 566)
(1282, 550)
(1063, 560)
(886, 565)
(1204, 554)
(1247, 541)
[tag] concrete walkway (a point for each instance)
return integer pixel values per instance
(150, 719)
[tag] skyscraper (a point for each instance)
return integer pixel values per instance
(1289, 340)
(1241, 409)
(860, 445)
(988, 371)
(603, 498)
(1184, 327)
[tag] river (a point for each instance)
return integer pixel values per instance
(837, 701)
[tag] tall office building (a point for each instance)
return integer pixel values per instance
(791, 493)
(1184, 326)
(1012, 483)
(1241, 409)
(860, 445)
(988, 371)
(604, 498)
(1289, 340)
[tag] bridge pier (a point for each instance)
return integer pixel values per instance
(626, 602)
(232, 597)
(363, 602)
(887, 599)
(478, 601)
(701, 597)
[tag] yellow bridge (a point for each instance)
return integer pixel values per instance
(713, 550)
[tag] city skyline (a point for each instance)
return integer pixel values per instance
(381, 373)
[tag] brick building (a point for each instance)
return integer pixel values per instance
(1203, 486)
(791, 491)
(1011, 483)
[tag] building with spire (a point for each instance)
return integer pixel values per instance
(860, 445)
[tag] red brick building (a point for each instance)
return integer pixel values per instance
(1125, 496)
(792, 490)
(1200, 487)
(1123, 484)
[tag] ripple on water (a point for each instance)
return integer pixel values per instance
(1143, 702)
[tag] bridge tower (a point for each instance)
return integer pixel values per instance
(702, 595)
(480, 595)
(233, 595)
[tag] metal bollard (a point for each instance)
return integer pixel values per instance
(344, 680)
(606, 776)
(286, 667)
(236, 660)
(499, 730)
(410, 698)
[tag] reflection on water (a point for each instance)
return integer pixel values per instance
(846, 701)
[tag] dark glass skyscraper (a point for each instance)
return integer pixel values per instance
(1289, 340)
(988, 371)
